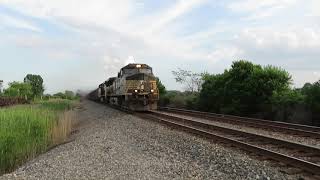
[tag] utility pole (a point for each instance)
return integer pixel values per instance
(1, 82)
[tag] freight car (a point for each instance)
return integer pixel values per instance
(134, 88)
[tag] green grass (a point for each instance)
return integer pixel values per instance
(26, 130)
(57, 105)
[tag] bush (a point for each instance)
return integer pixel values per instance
(66, 95)
(161, 87)
(17, 89)
(312, 100)
(9, 101)
(59, 95)
(179, 99)
(284, 102)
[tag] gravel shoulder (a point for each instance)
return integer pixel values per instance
(114, 145)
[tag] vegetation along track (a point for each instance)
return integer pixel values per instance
(306, 158)
(288, 128)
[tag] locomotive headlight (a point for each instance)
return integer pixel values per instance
(135, 90)
(138, 66)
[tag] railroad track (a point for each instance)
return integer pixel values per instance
(288, 128)
(304, 157)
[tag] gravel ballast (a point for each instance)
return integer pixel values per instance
(113, 145)
(260, 131)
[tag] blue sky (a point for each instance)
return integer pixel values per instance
(77, 44)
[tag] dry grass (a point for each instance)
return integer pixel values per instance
(63, 127)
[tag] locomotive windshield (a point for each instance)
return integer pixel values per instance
(137, 70)
(146, 71)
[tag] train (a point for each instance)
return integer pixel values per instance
(134, 88)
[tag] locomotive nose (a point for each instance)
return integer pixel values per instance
(142, 85)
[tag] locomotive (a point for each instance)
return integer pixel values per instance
(134, 88)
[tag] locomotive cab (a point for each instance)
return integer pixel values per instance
(138, 84)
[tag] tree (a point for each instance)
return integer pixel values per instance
(36, 83)
(69, 94)
(312, 93)
(17, 89)
(192, 81)
(47, 97)
(161, 87)
(78, 93)
(244, 89)
(60, 95)
(284, 101)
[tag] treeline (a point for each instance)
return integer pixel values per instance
(30, 89)
(247, 89)
(70, 95)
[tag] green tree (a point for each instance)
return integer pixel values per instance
(312, 93)
(244, 89)
(60, 95)
(69, 94)
(47, 97)
(161, 87)
(36, 83)
(285, 101)
(17, 89)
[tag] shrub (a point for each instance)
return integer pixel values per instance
(9, 101)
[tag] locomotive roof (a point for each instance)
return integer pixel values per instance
(134, 65)
(110, 81)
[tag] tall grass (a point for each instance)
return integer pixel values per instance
(28, 130)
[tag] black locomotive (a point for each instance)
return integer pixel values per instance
(134, 88)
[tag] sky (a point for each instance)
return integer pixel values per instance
(77, 44)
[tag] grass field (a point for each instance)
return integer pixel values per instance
(27, 130)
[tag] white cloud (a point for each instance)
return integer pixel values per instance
(260, 9)
(253, 5)
(225, 54)
(10, 21)
(177, 10)
(130, 60)
(100, 12)
(315, 8)
(300, 77)
(291, 39)
(112, 65)
(107, 20)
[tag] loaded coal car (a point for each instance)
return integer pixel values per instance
(134, 88)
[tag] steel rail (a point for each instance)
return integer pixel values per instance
(240, 133)
(303, 130)
(197, 127)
